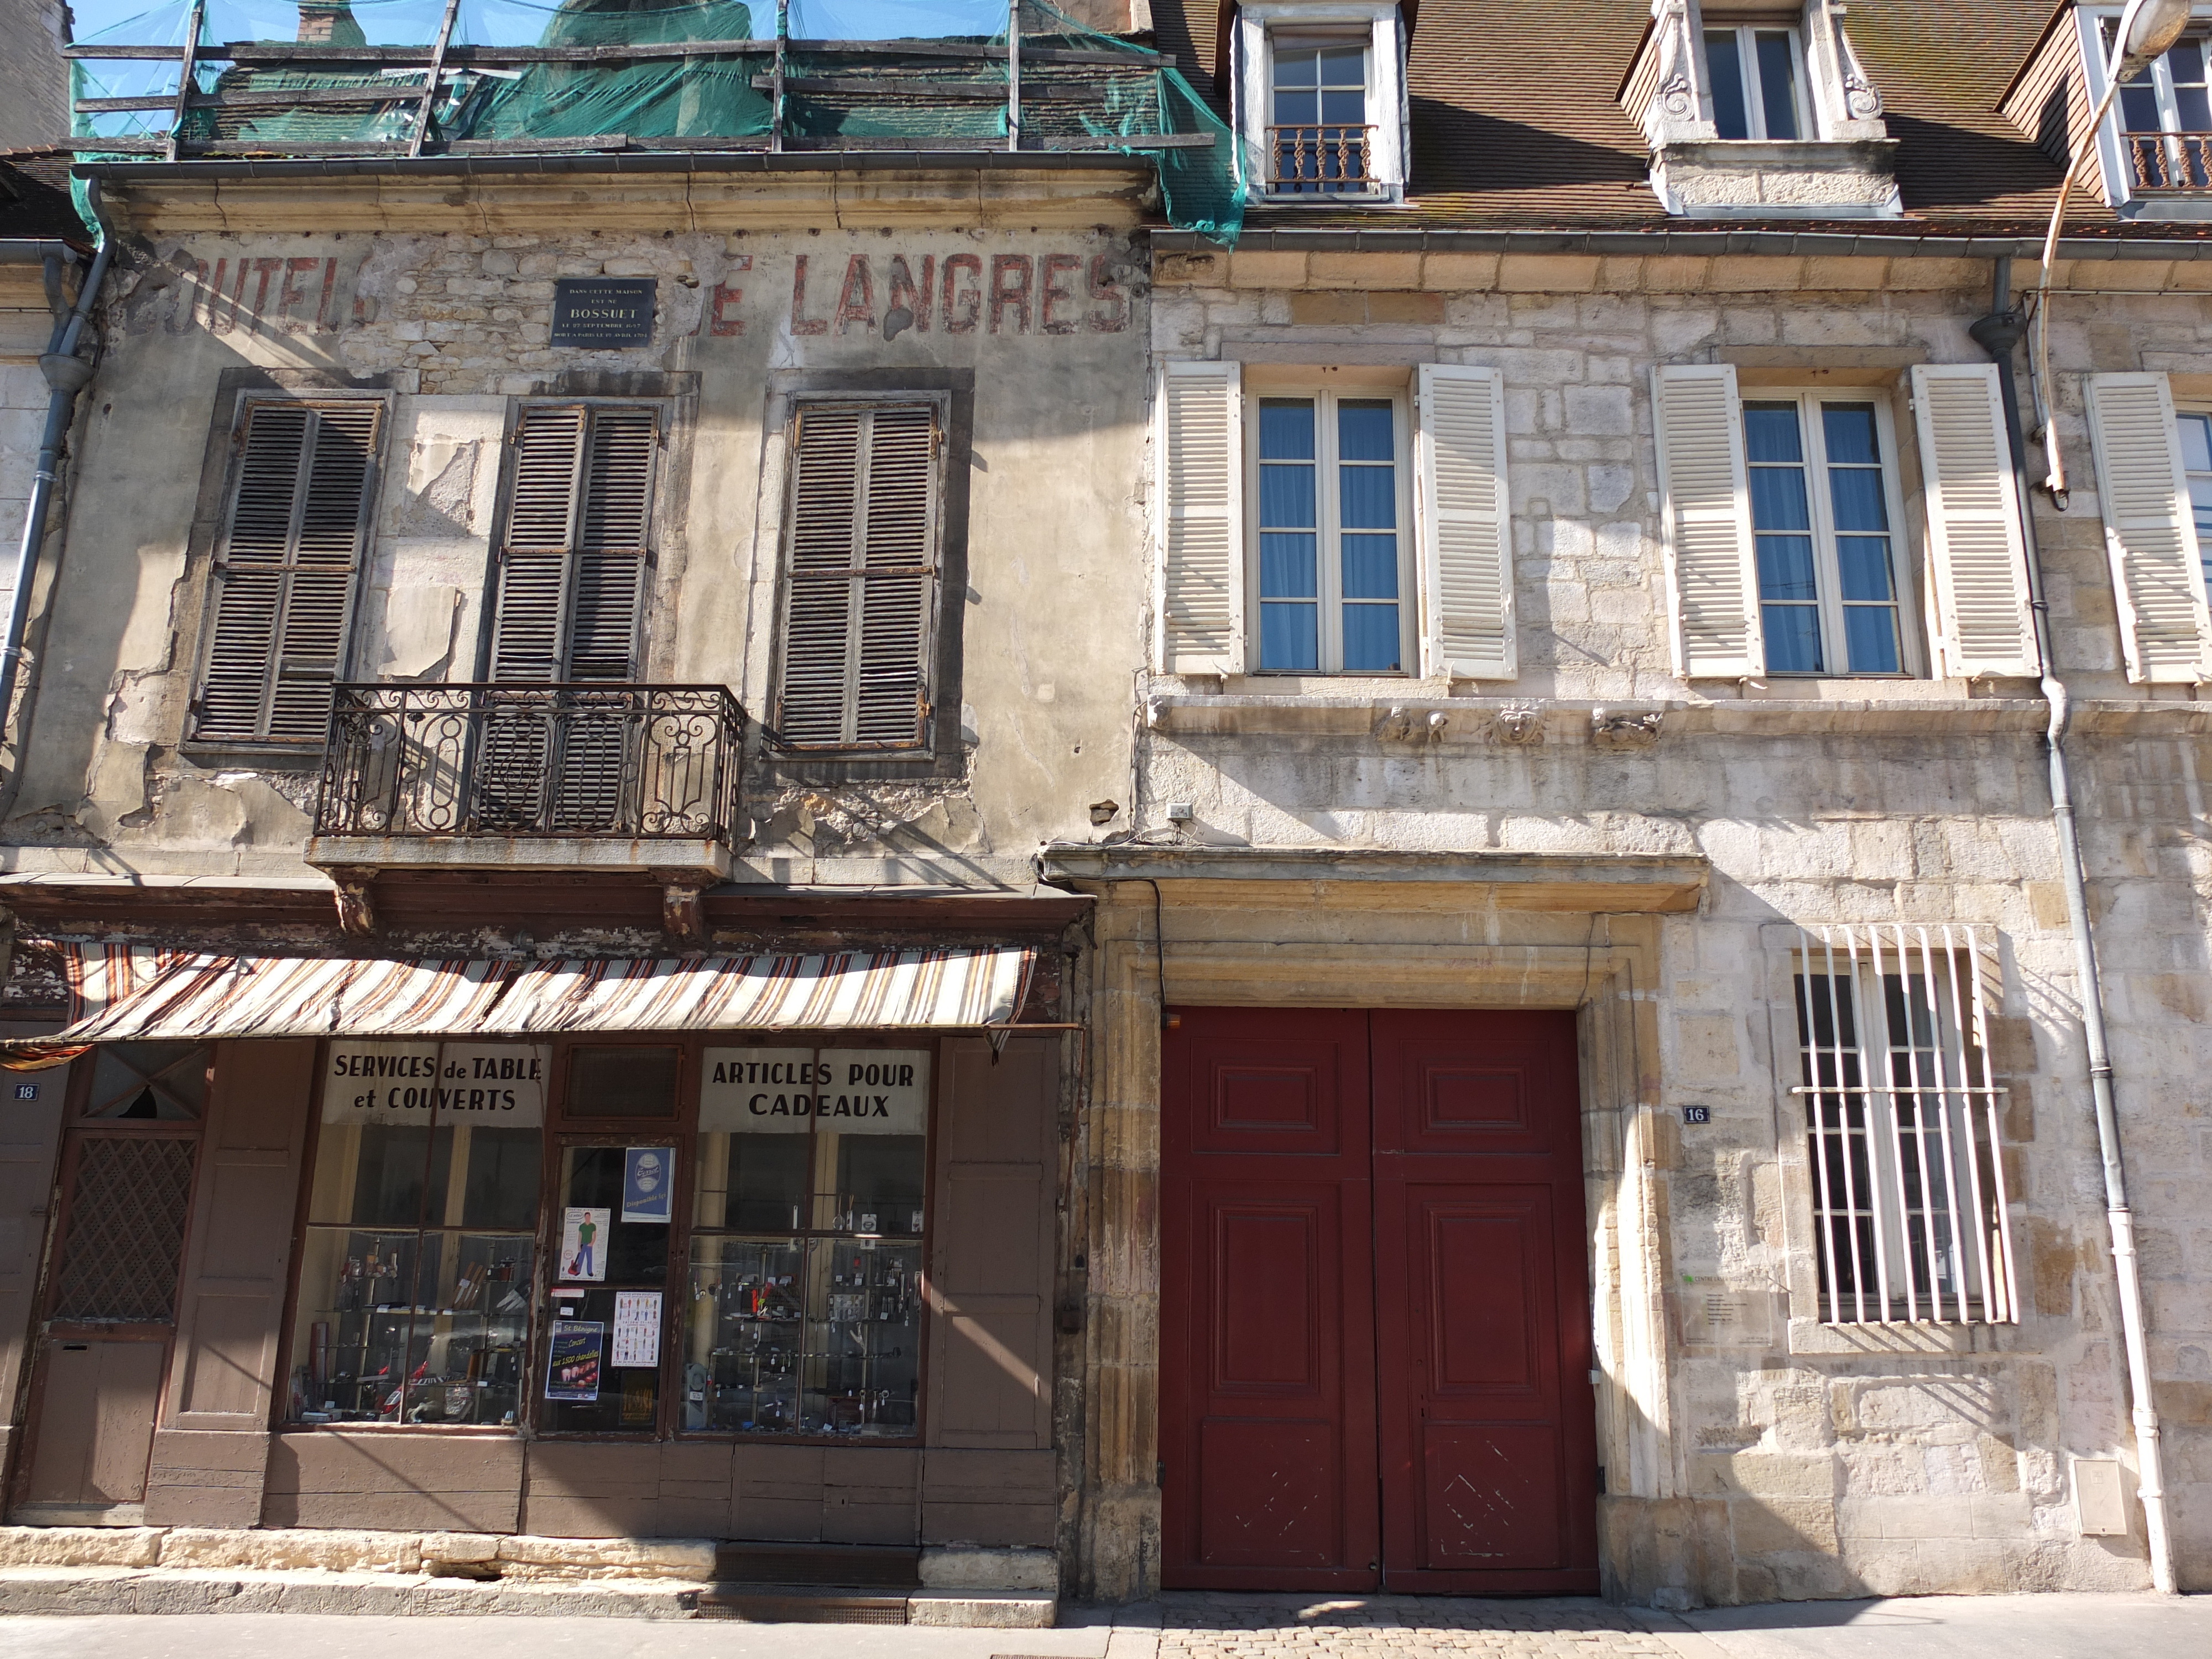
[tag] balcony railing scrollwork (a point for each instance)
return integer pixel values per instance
(2170, 162)
(586, 759)
(1331, 159)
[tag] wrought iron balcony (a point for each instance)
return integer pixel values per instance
(2170, 163)
(587, 760)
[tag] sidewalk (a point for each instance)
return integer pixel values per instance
(1196, 1626)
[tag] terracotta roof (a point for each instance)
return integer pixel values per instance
(1517, 123)
(34, 198)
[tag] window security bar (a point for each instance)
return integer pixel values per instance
(1909, 1189)
(1329, 158)
(2170, 162)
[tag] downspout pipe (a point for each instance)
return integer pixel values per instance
(1999, 334)
(66, 375)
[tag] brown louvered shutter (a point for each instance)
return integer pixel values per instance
(572, 573)
(861, 597)
(286, 572)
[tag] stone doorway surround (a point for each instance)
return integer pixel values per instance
(1335, 927)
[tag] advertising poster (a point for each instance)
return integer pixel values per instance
(572, 1372)
(637, 1327)
(584, 1243)
(648, 1183)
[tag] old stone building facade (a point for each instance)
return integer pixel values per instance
(1081, 901)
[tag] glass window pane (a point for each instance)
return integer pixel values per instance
(745, 1335)
(1859, 499)
(1290, 637)
(1286, 429)
(1286, 497)
(398, 1174)
(616, 1250)
(2200, 503)
(2190, 105)
(1770, 434)
(1862, 565)
(1345, 105)
(622, 1082)
(1731, 114)
(754, 1182)
(1793, 638)
(1366, 429)
(500, 1178)
(2196, 442)
(1344, 66)
(1367, 497)
(2184, 61)
(2139, 105)
(1288, 568)
(1371, 639)
(1870, 639)
(1297, 109)
(1296, 66)
(1785, 568)
(878, 1182)
(863, 1374)
(1848, 430)
(1777, 83)
(1370, 567)
(1778, 499)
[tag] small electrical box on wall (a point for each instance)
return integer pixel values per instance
(2100, 1500)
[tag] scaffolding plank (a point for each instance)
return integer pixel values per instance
(989, 92)
(288, 52)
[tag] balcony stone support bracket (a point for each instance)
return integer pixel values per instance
(680, 912)
(356, 903)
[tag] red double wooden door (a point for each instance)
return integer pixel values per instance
(1375, 1305)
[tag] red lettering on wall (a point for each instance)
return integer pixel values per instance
(906, 294)
(856, 300)
(960, 314)
(258, 311)
(291, 294)
(1105, 289)
(726, 298)
(1052, 291)
(1010, 290)
(800, 322)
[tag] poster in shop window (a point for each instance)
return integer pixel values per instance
(584, 1243)
(647, 1185)
(637, 1327)
(571, 1370)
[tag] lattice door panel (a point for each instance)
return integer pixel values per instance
(120, 1257)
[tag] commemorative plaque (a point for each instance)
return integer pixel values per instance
(602, 312)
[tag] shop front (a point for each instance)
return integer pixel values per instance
(714, 1248)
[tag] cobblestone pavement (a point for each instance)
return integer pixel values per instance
(1218, 1627)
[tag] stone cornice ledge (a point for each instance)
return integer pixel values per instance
(1474, 720)
(1624, 882)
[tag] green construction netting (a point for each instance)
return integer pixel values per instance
(931, 71)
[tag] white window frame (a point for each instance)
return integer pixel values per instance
(1257, 24)
(2200, 410)
(2091, 24)
(1746, 54)
(1827, 571)
(1328, 552)
(1928, 1113)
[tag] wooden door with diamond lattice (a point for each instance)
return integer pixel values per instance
(109, 1307)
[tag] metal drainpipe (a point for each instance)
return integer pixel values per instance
(1998, 334)
(67, 375)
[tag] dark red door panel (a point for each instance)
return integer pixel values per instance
(1487, 1422)
(1267, 1319)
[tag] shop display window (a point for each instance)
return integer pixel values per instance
(804, 1300)
(416, 1271)
(603, 1345)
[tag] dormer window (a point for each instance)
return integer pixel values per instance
(1321, 99)
(1754, 73)
(2166, 116)
(2155, 148)
(1753, 112)
(1317, 133)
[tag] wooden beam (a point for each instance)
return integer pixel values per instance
(287, 52)
(985, 92)
(430, 85)
(185, 70)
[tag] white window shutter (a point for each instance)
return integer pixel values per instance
(2150, 531)
(287, 570)
(1712, 570)
(860, 590)
(1976, 547)
(1199, 576)
(1465, 528)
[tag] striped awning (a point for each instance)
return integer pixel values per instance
(128, 993)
